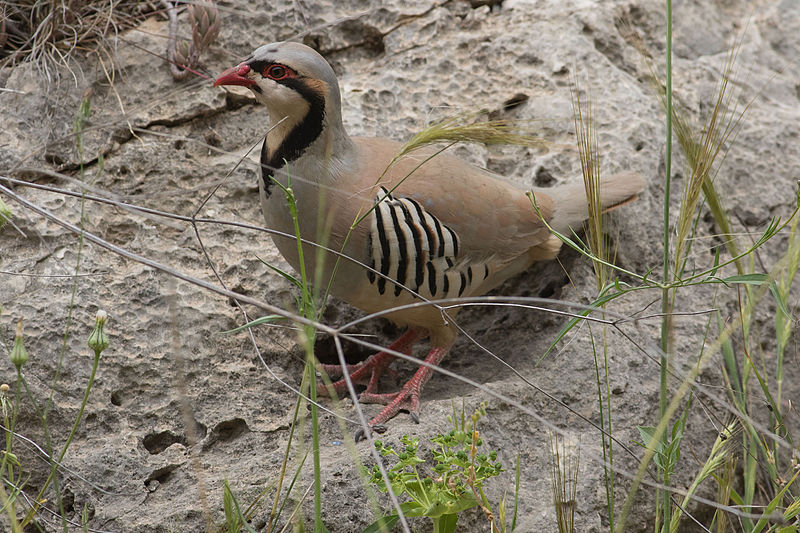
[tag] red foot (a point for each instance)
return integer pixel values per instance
(408, 397)
(369, 372)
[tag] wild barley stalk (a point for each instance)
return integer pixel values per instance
(463, 128)
(565, 465)
(702, 154)
(717, 458)
(586, 136)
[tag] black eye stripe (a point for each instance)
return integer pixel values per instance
(259, 65)
(262, 66)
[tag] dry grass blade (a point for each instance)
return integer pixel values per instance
(455, 129)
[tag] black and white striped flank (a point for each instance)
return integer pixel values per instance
(411, 246)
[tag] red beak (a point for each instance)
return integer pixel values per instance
(235, 76)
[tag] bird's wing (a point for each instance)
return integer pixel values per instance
(439, 226)
(491, 217)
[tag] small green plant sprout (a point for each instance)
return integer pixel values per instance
(667, 455)
(235, 520)
(459, 472)
(5, 213)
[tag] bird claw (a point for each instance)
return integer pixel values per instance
(337, 371)
(377, 428)
(406, 399)
(369, 371)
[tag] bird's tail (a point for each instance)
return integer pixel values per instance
(571, 205)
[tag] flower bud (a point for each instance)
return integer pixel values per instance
(11, 458)
(98, 340)
(4, 404)
(18, 355)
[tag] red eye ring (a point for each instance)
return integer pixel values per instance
(277, 72)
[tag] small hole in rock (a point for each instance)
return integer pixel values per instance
(548, 291)
(156, 443)
(230, 429)
(68, 500)
(515, 101)
(160, 475)
(544, 178)
(117, 398)
(494, 5)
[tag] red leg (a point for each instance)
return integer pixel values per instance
(369, 372)
(408, 397)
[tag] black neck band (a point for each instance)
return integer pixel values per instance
(299, 138)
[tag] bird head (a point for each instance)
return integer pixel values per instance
(290, 79)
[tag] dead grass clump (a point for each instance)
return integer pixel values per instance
(48, 31)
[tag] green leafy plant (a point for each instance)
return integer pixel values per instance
(455, 485)
(184, 56)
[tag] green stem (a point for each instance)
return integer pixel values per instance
(309, 332)
(7, 500)
(12, 424)
(318, 525)
(95, 364)
(666, 321)
(64, 449)
(275, 505)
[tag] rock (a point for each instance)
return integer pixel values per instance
(182, 403)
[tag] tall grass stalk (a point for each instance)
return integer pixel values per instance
(784, 321)
(702, 152)
(662, 502)
(586, 137)
(79, 124)
(308, 309)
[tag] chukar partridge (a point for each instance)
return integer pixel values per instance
(442, 229)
